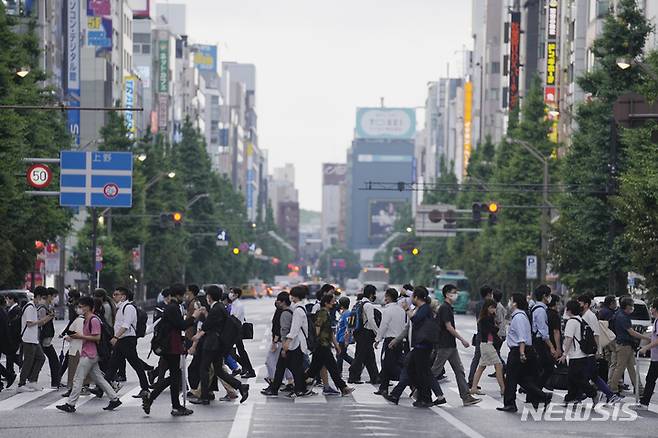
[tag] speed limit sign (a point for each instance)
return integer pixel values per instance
(39, 176)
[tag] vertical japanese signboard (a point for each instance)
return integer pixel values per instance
(73, 66)
(468, 124)
(163, 71)
(129, 85)
(550, 84)
(514, 59)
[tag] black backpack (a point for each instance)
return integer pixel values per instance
(160, 340)
(311, 336)
(48, 329)
(142, 320)
(104, 346)
(231, 332)
(587, 341)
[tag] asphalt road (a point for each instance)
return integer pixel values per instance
(360, 414)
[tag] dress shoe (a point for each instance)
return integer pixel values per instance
(380, 392)
(200, 401)
(181, 412)
(112, 405)
(392, 399)
(244, 392)
(248, 374)
(509, 408)
(421, 404)
(355, 382)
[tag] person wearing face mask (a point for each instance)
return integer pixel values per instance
(33, 357)
(547, 354)
(652, 374)
(171, 325)
(237, 310)
(446, 349)
(75, 346)
(488, 337)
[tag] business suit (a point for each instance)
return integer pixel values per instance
(213, 351)
(4, 340)
(13, 338)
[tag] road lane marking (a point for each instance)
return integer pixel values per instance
(21, 399)
(462, 427)
(81, 401)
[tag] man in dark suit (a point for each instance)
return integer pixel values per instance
(12, 336)
(213, 349)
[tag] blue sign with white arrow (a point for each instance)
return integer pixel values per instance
(96, 179)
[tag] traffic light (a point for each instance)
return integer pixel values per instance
(491, 208)
(168, 220)
(398, 256)
(477, 217)
(415, 252)
(236, 251)
(493, 213)
(177, 218)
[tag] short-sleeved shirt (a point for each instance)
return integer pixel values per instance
(572, 330)
(30, 334)
(92, 327)
(446, 339)
(622, 324)
(553, 324)
(323, 321)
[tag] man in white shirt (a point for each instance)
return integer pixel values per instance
(237, 310)
(33, 357)
(124, 342)
(294, 345)
(578, 381)
(591, 369)
(365, 337)
(394, 320)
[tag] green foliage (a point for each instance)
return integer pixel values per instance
(352, 265)
(25, 133)
(588, 247)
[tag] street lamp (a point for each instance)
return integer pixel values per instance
(22, 72)
(141, 157)
(409, 229)
(626, 63)
(157, 178)
(545, 204)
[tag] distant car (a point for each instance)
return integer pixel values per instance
(640, 318)
(353, 287)
(313, 288)
(248, 291)
(23, 295)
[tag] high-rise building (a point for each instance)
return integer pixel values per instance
(382, 151)
(333, 180)
(284, 198)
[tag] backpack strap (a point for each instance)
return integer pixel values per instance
(23, 311)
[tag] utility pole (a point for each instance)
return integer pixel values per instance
(94, 224)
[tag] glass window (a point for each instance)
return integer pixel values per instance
(136, 48)
(146, 48)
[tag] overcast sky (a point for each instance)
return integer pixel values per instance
(316, 61)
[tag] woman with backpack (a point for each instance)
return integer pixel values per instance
(489, 341)
(89, 357)
(574, 340)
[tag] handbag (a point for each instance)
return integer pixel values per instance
(429, 332)
(606, 335)
(247, 330)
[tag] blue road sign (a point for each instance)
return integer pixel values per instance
(96, 179)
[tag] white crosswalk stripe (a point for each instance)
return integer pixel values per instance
(21, 399)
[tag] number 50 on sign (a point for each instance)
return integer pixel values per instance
(39, 176)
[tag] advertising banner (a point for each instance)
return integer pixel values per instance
(205, 59)
(382, 216)
(73, 66)
(514, 59)
(99, 8)
(550, 84)
(163, 111)
(468, 124)
(386, 123)
(99, 32)
(129, 95)
(333, 174)
(163, 71)
(251, 214)
(140, 8)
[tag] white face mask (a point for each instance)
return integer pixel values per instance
(79, 311)
(232, 296)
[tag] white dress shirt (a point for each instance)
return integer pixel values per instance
(394, 320)
(298, 329)
(126, 317)
(369, 315)
(237, 310)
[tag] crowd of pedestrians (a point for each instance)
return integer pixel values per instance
(548, 346)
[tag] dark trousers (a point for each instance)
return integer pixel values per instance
(391, 358)
(126, 349)
(524, 374)
(216, 359)
(650, 384)
(343, 356)
(53, 363)
(243, 357)
(578, 381)
(402, 383)
(545, 362)
(173, 380)
(365, 355)
(194, 371)
(420, 373)
(294, 361)
(13, 358)
(592, 373)
(323, 357)
(476, 360)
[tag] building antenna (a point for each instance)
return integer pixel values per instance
(381, 102)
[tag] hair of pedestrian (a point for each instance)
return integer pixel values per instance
(541, 291)
(520, 301)
(359, 296)
(194, 288)
(448, 288)
(87, 301)
(392, 294)
(166, 292)
(99, 292)
(40, 291)
(497, 295)
(215, 292)
(283, 297)
(178, 289)
(52, 291)
(654, 304)
(484, 312)
(298, 292)
(326, 288)
(369, 291)
(555, 300)
(573, 307)
(584, 298)
(344, 303)
(486, 290)
(609, 300)
(123, 290)
(421, 293)
(74, 294)
(12, 296)
(408, 287)
(98, 307)
(237, 291)
(326, 299)
(626, 301)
